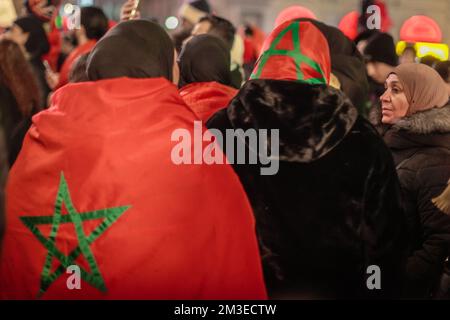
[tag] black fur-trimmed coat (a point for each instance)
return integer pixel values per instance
(421, 148)
(334, 207)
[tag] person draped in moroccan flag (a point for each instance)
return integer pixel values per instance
(94, 191)
(332, 214)
(205, 76)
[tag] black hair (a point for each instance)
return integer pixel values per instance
(94, 21)
(429, 60)
(443, 68)
(221, 28)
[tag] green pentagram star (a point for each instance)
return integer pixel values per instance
(110, 216)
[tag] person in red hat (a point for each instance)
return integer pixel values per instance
(95, 189)
(332, 211)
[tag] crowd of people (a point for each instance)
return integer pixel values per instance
(85, 148)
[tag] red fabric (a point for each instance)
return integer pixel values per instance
(313, 45)
(73, 56)
(349, 25)
(253, 43)
(294, 12)
(189, 233)
(386, 21)
(54, 39)
(207, 98)
(420, 29)
(249, 52)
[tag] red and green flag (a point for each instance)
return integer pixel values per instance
(296, 51)
(94, 189)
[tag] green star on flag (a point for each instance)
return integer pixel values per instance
(63, 196)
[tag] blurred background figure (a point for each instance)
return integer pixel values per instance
(46, 11)
(416, 108)
(253, 41)
(362, 38)
(205, 76)
(78, 70)
(380, 56)
(190, 14)
(30, 35)
(381, 59)
(420, 40)
(19, 96)
(225, 30)
(94, 24)
(355, 24)
(8, 14)
(408, 55)
(292, 13)
(68, 44)
(443, 68)
(347, 66)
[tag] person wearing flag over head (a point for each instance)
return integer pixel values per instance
(333, 210)
(94, 189)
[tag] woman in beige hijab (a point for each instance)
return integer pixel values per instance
(416, 106)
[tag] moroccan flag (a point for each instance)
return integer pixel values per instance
(295, 51)
(94, 191)
(206, 98)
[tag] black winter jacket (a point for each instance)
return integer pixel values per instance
(421, 148)
(333, 209)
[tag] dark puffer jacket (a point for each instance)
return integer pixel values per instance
(421, 148)
(333, 208)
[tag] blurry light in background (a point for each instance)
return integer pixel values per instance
(172, 23)
(68, 8)
(85, 3)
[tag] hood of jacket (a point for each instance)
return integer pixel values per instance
(311, 119)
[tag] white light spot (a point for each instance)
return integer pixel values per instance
(171, 23)
(68, 9)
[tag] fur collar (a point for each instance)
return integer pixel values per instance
(312, 119)
(436, 120)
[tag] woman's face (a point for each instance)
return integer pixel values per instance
(394, 104)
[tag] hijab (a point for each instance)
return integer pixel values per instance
(205, 58)
(134, 49)
(423, 87)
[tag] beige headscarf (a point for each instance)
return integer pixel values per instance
(424, 88)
